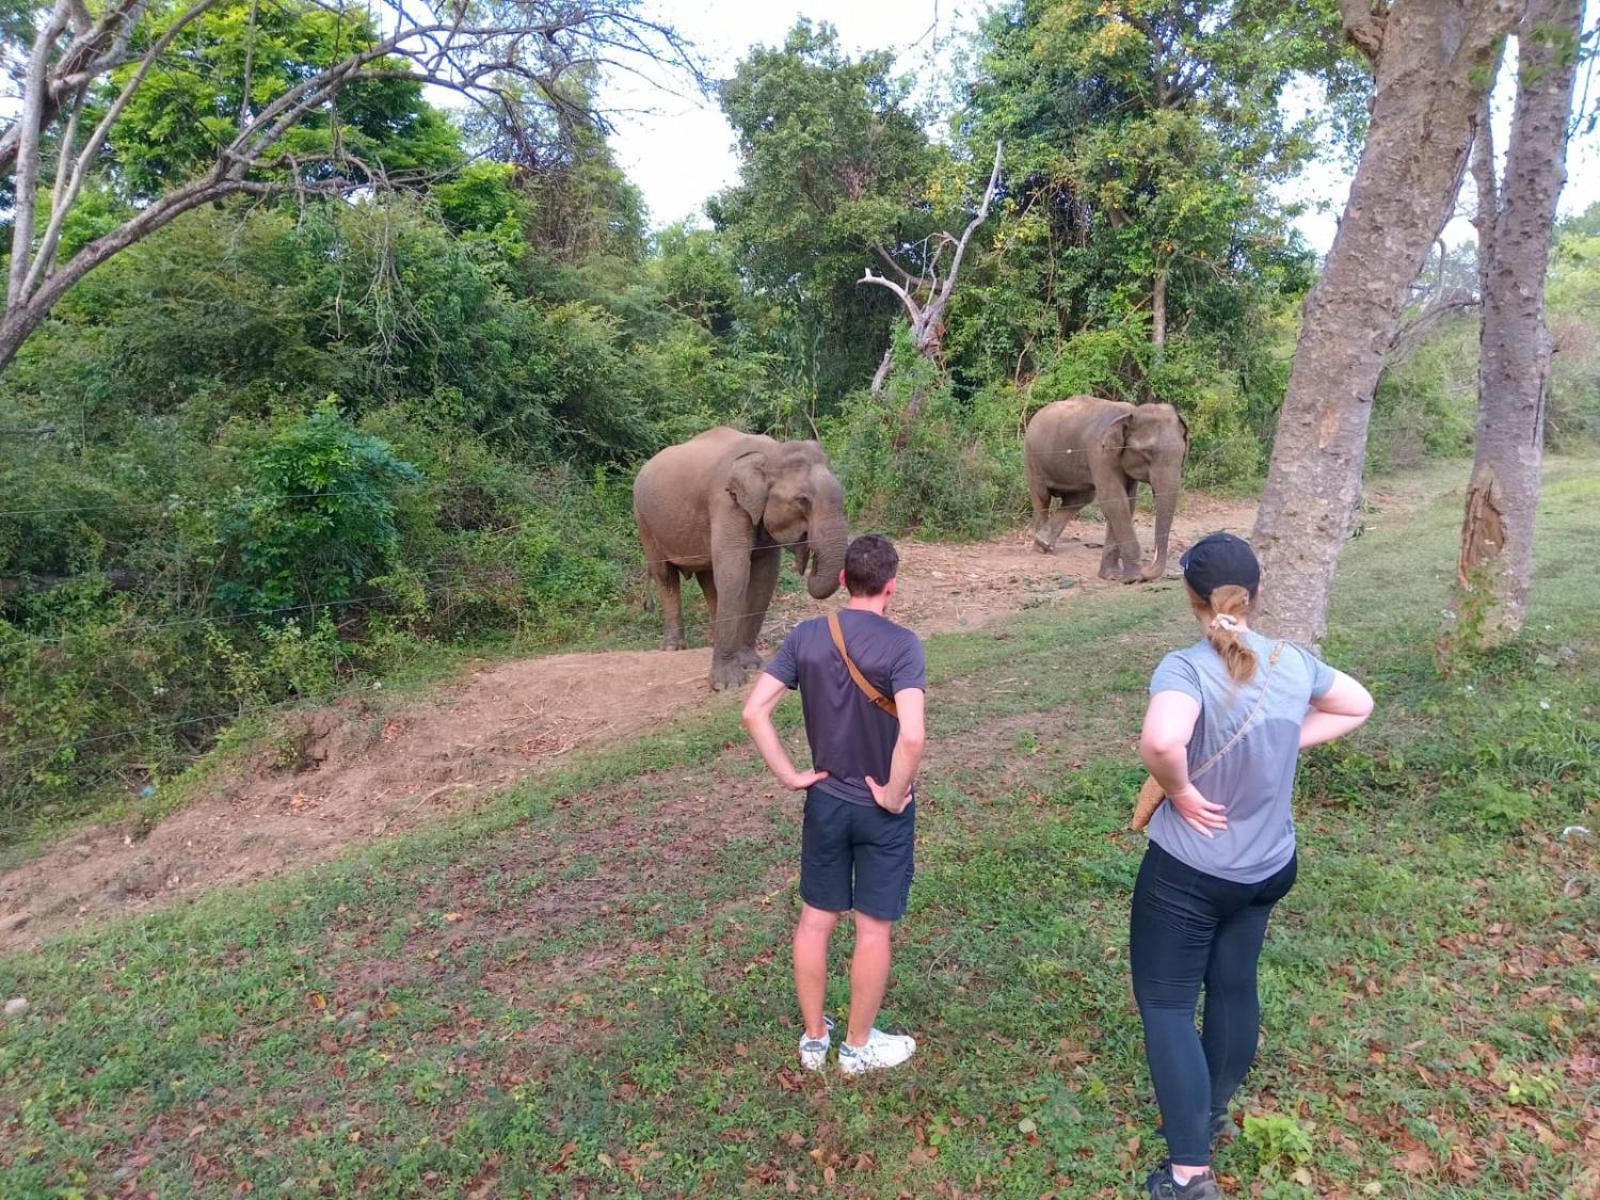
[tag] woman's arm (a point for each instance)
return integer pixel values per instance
(1342, 708)
(1164, 746)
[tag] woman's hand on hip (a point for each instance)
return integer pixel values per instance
(1207, 818)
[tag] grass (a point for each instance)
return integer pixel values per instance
(582, 989)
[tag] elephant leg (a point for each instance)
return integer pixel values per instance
(708, 585)
(1133, 509)
(731, 581)
(1042, 540)
(1071, 506)
(1121, 557)
(764, 568)
(666, 578)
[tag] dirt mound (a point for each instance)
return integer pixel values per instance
(344, 774)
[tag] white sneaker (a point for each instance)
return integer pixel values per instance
(814, 1051)
(883, 1050)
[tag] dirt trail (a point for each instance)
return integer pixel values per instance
(345, 774)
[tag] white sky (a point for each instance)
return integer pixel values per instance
(680, 151)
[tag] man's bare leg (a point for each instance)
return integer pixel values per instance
(869, 976)
(811, 966)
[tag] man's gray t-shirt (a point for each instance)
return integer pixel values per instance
(1255, 778)
(850, 736)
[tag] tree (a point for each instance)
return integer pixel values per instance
(925, 297)
(1515, 218)
(832, 163)
(1432, 61)
(1143, 137)
(93, 81)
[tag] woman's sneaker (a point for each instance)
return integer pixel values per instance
(1162, 1186)
(883, 1050)
(814, 1051)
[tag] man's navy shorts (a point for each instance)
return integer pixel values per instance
(856, 856)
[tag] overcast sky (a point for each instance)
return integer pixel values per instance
(681, 151)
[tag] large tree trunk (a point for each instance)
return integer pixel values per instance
(1514, 345)
(1432, 60)
(1158, 311)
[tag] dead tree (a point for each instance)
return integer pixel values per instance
(925, 296)
(1514, 222)
(85, 67)
(1432, 60)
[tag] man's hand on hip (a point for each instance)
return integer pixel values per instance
(801, 780)
(880, 793)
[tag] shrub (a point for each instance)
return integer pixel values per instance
(313, 517)
(919, 458)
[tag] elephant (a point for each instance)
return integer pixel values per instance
(1084, 449)
(723, 507)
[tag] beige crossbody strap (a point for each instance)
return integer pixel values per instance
(1272, 662)
(867, 689)
(1151, 796)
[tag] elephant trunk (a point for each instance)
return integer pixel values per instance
(826, 542)
(1165, 484)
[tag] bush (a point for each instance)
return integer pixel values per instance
(312, 518)
(1426, 407)
(953, 469)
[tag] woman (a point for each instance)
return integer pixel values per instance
(1228, 717)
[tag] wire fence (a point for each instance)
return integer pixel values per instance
(375, 599)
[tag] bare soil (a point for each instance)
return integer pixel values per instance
(345, 774)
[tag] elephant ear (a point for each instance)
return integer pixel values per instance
(748, 483)
(1114, 436)
(1183, 425)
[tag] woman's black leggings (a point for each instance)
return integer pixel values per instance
(1190, 928)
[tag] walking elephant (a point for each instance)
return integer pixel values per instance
(1083, 449)
(723, 507)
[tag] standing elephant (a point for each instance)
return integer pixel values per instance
(1084, 449)
(723, 507)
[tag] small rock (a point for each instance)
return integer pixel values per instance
(1576, 831)
(16, 1006)
(358, 1017)
(1065, 582)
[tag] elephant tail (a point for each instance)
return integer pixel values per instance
(649, 598)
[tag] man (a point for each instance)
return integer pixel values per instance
(860, 811)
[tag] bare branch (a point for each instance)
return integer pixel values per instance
(913, 309)
(972, 226)
(31, 129)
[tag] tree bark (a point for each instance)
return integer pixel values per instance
(1432, 60)
(1158, 310)
(1496, 560)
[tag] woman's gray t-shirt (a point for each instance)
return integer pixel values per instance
(1255, 778)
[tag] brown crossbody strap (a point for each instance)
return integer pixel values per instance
(867, 689)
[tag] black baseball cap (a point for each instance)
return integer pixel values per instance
(1217, 560)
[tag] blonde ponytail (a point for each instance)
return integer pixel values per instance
(1227, 605)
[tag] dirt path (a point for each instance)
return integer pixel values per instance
(344, 774)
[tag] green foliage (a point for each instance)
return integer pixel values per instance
(833, 164)
(921, 458)
(1427, 406)
(177, 118)
(1572, 302)
(1281, 1146)
(313, 517)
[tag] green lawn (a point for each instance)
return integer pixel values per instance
(583, 989)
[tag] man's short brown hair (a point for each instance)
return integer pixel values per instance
(870, 562)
